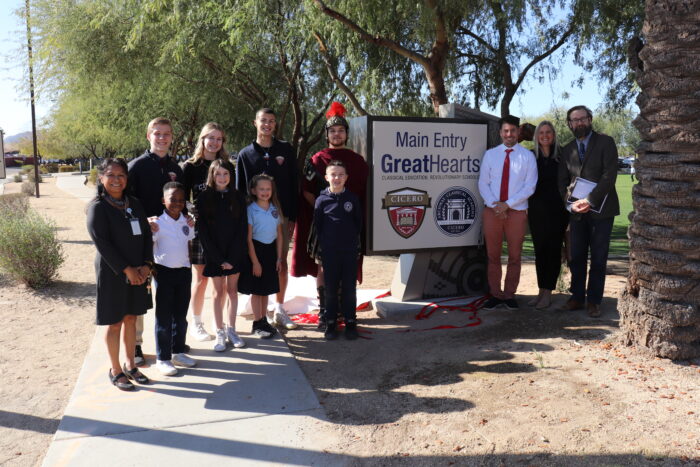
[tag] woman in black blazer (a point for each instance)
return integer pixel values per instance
(118, 226)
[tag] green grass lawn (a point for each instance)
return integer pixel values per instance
(618, 242)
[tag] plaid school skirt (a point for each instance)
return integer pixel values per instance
(196, 251)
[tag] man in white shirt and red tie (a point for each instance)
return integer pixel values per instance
(507, 179)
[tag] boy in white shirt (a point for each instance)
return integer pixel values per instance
(174, 279)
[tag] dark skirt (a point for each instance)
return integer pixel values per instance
(116, 298)
(196, 251)
(268, 282)
(215, 270)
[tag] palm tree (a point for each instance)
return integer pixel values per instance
(660, 309)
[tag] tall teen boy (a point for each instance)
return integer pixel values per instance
(147, 175)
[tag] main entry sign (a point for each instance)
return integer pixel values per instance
(424, 187)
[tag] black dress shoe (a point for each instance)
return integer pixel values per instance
(351, 331)
(135, 375)
(492, 303)
(331, 332)
(572, 305)
(115, 381)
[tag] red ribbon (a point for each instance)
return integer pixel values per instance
(471, 308)
(425, 313)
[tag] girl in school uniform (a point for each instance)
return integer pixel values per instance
(117, 225)
(210, 147)
(222, 226)
(260, 278)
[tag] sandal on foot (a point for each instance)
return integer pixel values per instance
(135, 375)
(115, 381)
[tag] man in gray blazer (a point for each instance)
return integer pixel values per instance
(593, 157)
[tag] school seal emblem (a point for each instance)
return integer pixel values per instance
(455, 211)
(406, 209)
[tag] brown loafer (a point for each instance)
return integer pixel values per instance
(593, 310)
(571, 305)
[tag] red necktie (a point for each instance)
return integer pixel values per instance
(505, 176)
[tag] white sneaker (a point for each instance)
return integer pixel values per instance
(199, 333)
(282, 319)
(220, 344)
(180, 359)
(270, 315)
(166, 367)
(234, 338)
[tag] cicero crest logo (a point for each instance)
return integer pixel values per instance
(406, 209)
(455, 211)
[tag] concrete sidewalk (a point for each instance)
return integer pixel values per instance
(250, 406)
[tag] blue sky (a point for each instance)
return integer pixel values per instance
(15, 114)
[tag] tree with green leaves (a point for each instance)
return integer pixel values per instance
(484, 50)
(616, 123)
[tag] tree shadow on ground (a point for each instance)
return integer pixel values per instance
(19, 421)
(414, 354)
(72, 293)
(192, 446)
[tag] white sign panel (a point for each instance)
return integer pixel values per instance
(425, 184)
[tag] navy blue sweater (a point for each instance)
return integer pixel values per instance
(147, 175)
(279, 161)
(338, 221)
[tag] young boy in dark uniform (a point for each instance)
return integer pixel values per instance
(338, 223)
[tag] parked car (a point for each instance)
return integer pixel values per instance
(622, 163)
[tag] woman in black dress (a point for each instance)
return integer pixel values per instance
(118, 226)
(547, 215)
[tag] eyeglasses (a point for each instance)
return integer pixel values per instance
(579, 120)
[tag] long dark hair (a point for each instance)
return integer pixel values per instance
(102, 168)
(236, 202)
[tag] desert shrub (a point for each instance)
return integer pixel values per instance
(29, 249)
(92, 177)
(67, 168)
(50, 167)
(17, 178)
(28, 188)
(25, 169)
(13, 205)
(32, 178)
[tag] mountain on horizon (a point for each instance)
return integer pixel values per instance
(18, 137)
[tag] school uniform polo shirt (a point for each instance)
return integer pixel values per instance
(170, 242)
(264, 222)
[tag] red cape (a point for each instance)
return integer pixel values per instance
(358, 174)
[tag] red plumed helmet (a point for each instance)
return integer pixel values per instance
(336, 116)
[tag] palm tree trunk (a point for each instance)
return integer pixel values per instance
(660, 308)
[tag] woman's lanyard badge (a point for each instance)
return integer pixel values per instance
(135, 226)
